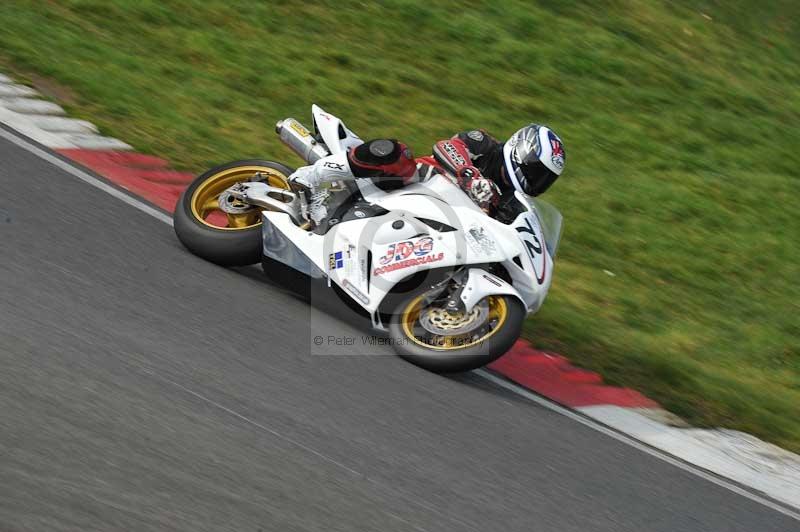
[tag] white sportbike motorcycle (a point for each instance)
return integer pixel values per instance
(450, 284)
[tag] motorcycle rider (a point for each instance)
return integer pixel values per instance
(486, 169)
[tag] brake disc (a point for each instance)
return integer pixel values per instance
(230, 204)
(443, 322)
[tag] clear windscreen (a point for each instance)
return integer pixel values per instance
(552, 222)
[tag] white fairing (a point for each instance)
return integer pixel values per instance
(534, 278)
(481, 284)
(333, 131)
(367, 256)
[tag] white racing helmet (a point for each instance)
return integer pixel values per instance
(534, 157)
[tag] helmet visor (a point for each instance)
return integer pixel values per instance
(534, 176)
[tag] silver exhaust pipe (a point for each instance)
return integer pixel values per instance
(300, 140)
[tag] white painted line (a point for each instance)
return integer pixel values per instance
(701, 473)
(731, 454)
(624, 438)
(85, 177)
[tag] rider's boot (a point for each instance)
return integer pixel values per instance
(312, 180)
(374, 158)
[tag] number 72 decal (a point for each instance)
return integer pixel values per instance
(531, 235)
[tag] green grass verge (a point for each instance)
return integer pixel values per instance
(678, 273)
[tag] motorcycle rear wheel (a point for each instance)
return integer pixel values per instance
(219, 237)
(458, 352)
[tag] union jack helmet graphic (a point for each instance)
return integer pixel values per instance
(534, 158)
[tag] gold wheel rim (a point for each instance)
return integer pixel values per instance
(205, 199)
(498, 311)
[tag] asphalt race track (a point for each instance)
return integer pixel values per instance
(145, 389)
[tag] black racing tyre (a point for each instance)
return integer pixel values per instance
(206, 231)
(454, 354)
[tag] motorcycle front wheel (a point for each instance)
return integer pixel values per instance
(225, 238)
(443, 341)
